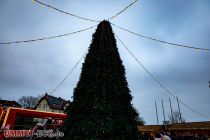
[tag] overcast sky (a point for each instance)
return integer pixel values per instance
(38, 67)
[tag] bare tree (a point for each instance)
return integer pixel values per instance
(176, 117)
(29, 101)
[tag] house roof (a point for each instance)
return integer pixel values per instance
(7, 103)
(54, 102)
(149, 128)
(191, 126)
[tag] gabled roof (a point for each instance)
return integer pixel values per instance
(54, 102)
(7, 103)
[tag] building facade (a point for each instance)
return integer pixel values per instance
(52, 104)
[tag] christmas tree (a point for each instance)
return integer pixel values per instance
(101, 107)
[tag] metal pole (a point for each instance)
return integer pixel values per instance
(172, 116)
(163, 112)
(156, 113)
(180, 116)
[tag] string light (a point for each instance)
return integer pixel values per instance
(69, 73)
(70, 14)
(83, 18)
(49, 6)
(161, 41)
(159, 83)
(123, 10)
(46, 38)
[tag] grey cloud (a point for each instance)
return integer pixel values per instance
(34, 68)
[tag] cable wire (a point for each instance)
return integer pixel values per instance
(46, 38)
(161, 41)
(123, 10)
(159, 83)
(67, 13)
(68, 73)
(57, 36)
(83, 18)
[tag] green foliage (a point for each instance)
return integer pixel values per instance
(101, 108)
(140, 120)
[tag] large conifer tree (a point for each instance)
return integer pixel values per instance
(101, 108)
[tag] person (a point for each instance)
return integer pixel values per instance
(202, 137)
(146, 136)
(157, 137)
(165, 137)
(39, 126)
(48, 124)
